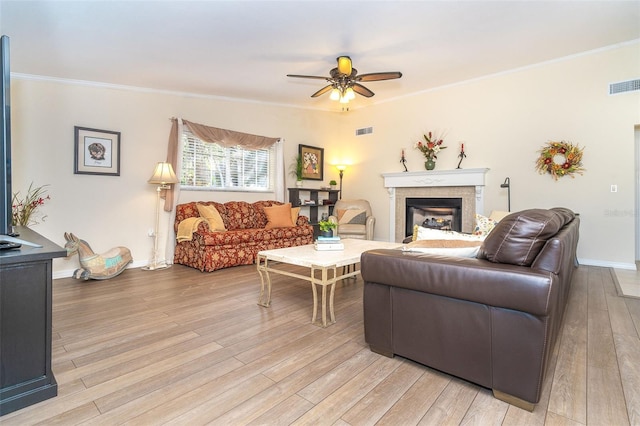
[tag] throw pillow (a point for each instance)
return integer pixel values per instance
(212, 216)
(457, 248)
(278, 216)
(423, 233)
(352, 217)
(295, 212)
(484, 225)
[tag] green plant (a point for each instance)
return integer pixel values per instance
(297, 167)
(22, 210)
(333, 182)
(326, 225)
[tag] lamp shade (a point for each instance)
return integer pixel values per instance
(163, 174)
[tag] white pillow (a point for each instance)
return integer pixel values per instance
(484, 225)
(456, 252)
(446, 243)
(437, 234)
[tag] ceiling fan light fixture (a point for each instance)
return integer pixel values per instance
(344, 99)
(350, 94)
(335, 94)
(344, 65)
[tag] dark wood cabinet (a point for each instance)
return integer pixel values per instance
(298, 197)
(25, 323)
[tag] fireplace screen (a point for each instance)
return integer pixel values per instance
(437, 213)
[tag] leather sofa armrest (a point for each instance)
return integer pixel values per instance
(477, 280)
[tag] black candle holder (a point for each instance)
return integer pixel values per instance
(461, 156)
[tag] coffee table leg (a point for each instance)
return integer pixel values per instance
(314, 289)
(262, 270)
(333, 288)
(324, 297)
(325, 281)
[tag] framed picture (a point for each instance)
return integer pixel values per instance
(97, 152)
(312, 162)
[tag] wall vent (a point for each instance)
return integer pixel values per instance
(364, 131)
(624, 86)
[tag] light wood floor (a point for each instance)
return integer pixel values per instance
(183, 347)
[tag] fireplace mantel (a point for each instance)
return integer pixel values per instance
(459, 179)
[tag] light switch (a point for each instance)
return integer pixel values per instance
(614, 188)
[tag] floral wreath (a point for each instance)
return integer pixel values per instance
(560, 159)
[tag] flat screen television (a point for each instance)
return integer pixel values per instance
(7, 233)
(5, 139)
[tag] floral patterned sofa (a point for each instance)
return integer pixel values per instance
(248, 230)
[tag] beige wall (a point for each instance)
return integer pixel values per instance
(109, 211)
(503, 120)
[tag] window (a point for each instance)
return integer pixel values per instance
(211, 166)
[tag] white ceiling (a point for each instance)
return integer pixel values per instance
(244, 49)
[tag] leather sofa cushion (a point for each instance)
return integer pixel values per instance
(518, 238)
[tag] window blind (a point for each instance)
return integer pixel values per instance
(211, 166)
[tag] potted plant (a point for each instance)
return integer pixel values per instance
(333, 184)
(296, 169)
(326, 228)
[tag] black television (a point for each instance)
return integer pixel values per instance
(7, 234)
(5, 140)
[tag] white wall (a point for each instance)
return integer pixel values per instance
(504, 120)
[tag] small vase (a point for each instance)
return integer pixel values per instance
(328, 233)
(429, 164)
(299, 183)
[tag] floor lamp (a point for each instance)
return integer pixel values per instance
(163, 176)
(341, 168)
(507, 184)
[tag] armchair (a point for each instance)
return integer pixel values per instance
(354, 219)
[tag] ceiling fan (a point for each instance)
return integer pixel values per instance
(344, 82)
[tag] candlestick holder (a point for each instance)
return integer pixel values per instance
(461, 156)
(404, 161)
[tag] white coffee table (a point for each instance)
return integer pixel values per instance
(322, 263)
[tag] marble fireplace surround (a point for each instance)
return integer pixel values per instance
(467, 184)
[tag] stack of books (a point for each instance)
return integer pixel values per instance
(329, 243)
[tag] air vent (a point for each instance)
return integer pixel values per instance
(624, 86)
(364, 131)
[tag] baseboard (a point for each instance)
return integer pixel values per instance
(68, 273)
(607, 264)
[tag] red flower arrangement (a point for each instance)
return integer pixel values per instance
(24, 209)
(430, 147)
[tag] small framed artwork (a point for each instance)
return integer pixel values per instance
(312, 162)
(97, 152)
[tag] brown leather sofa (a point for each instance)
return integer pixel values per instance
(491, 320)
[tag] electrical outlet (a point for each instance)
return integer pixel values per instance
(614, 188)
(150, 232)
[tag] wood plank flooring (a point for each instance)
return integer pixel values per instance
(181, 347)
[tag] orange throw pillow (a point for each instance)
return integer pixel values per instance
(278, 216)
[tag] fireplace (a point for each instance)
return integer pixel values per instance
(438, 213)
(466, 185)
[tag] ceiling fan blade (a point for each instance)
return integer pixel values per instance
(360, 89)
(322, 91)
(377, 76)
(307, 76)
